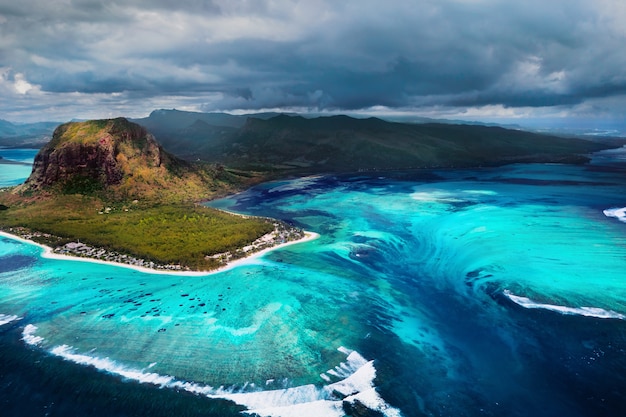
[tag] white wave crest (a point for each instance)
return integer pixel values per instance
(618, 213)
(6, 319)
(106, 364)
(579, 311)
(28, 335)
(355, 384)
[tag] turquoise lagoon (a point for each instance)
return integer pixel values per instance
(493, 292)
(15, 174)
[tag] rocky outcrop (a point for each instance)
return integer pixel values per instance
(96, 153)
(54, 166)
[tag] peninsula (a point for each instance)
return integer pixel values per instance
(107, 190)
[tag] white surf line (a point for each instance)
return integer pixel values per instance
(579, 311)
(6, 319)
(28, 335)
(49, 254)
(618, 213)
(301, 401)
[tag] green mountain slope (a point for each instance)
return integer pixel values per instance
(190, 134)
(341, 143)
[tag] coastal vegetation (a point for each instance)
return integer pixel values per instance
(184, 234)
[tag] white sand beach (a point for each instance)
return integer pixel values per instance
(49, 254)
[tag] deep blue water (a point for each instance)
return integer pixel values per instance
(497, 292)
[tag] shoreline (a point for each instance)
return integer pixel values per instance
(49, 254)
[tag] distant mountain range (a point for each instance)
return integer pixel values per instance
(28, 135)
(291, 143)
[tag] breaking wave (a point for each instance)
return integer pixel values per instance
(618, 213)
(353, 385)
(579, 311)
(6, 319)
(28, 335)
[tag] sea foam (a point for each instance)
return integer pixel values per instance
(355, 384)
(6, 319)
(28, 335)
(618, 213)
(580, 311)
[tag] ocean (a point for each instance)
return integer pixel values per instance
(15, 174)
(483, 292)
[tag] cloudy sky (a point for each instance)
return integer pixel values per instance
(473, 59)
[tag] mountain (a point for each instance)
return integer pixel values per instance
(342, 143)
(120, 160)
(31, 135)
(188, 133)
(296, 144)
(170, 121)
(174, 120)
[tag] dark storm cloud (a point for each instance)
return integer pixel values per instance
(316, 54)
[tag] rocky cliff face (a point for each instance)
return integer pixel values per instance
(97, 154)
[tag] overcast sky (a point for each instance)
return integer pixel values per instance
(480, 59)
